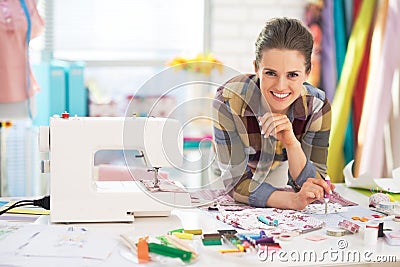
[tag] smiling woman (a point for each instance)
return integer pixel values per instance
(281, 74)
(273, 122)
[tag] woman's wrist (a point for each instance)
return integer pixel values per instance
(294, 199)
(295, 144)
(298, 202)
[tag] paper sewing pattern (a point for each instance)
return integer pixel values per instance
(72, 242)
(6, 229)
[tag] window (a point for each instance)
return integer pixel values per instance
(140, 32)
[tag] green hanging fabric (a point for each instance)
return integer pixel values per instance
(349, 141)
(340, 34)
(341, 39)
(343, 97)
(348, 148)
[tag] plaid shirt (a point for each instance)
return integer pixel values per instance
(242, 152)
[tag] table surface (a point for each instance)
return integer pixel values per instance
(330, 249)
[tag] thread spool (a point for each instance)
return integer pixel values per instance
(275, 234)
(370, 235)
(193, 231)
(372, 224)
(335, 232)
(286, 237)
(380, 230)
(183, 235)
(386, 205)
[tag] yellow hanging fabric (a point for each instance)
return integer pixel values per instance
(343, 97)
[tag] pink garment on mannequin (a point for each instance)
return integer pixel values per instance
(13, 52)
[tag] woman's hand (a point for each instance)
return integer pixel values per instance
(311, 190)
(279, 126)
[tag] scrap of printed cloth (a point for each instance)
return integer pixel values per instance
(287, 220)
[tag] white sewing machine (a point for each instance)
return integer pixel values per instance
(76, 197)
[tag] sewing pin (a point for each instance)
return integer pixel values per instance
(327, 195)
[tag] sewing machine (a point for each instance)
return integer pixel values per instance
(76, 197)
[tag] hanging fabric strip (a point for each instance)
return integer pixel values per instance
(340, 35)
(360, 88)
(348, 10)
(342, 101)
(395, 124)
(373, 147)
(348, 147)
(370, 91)
(328, 60)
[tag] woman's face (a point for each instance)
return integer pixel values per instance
(281, 73)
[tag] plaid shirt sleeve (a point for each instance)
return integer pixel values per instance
(230, 150)
(233, 131)
(315, 139)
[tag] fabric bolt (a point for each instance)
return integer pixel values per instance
(342, 101)
(356, 8)
(359, 89)
(340, 35)
(348, 146)
(244, 154)
(328, 58)
(13, 50)
(373, 147)
(394, 129)
(343, 24)
(370, 91)
(348, 10)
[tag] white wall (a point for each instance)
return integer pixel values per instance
(235, 25)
